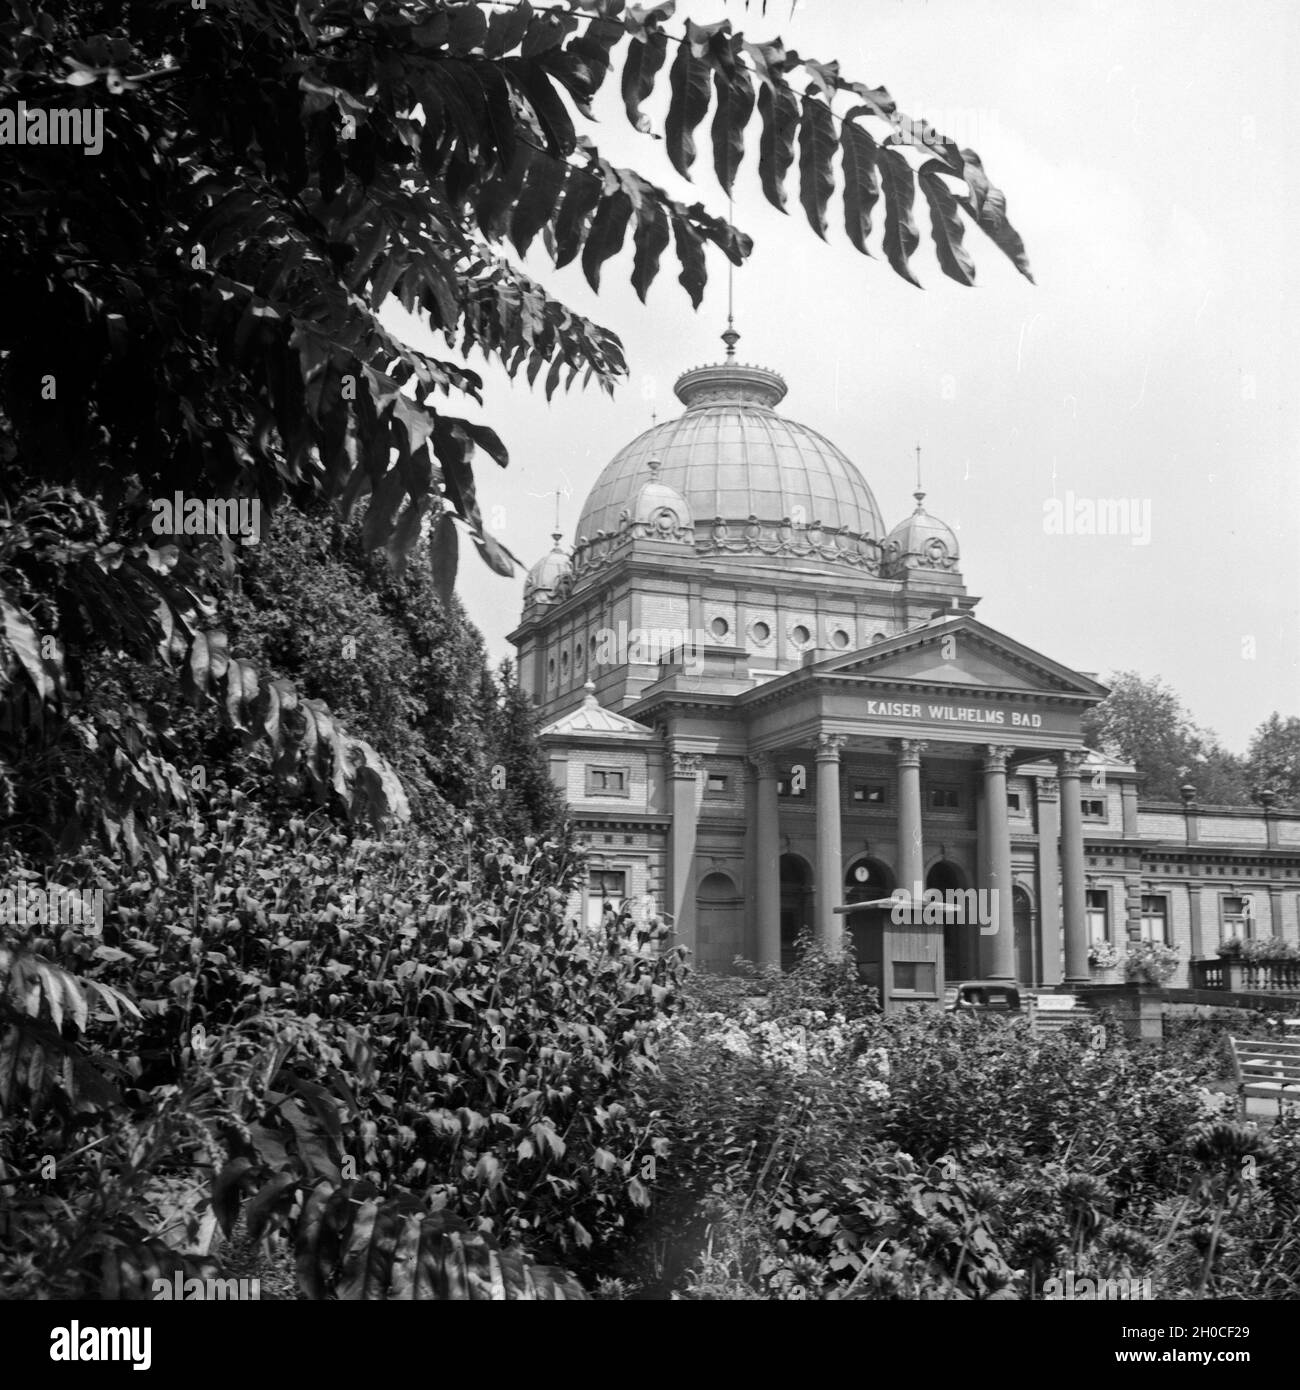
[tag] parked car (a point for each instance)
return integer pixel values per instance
(982, 997)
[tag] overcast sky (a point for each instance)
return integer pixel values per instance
(1147, 152)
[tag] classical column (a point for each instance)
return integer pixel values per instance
(767, 860)
(1002, 954)
(1049, 877)
(911, 855)
(830, 872)
(1072, 885)
(682, 775)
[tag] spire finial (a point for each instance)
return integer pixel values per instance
(919, 494)
(730, 337)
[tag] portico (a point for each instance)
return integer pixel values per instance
(898, 758)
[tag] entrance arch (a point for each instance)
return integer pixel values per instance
(720, 923)
(960, 938)
(796, 905)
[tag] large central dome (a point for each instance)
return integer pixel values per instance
(730, 455)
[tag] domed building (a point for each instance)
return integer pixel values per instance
(765, 706)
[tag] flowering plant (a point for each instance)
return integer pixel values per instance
(1266, 948)
(1103, 955)
(1151, 962)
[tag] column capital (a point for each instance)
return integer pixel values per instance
(1048, 788)
(828, 747)
(1071, 762)
(910, 750)
(763, 763)
(996, 755)
(686, 764)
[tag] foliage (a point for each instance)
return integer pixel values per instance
(1273, 758)
(930, 1156)
(1104, 955)
(1144, 722)
(1269, 948)
(322, 1026)
(272, 172)
(1150, 961)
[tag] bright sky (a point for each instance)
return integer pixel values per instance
(1147, 154)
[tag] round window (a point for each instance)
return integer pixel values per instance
(761, 631)
(720, 627)
(579, 654)
(799, 635)
(564, 664)
(878, 637)
(840, 638)
(550, 669)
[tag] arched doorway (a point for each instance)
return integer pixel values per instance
(867, 880)
(960, 937)
(719, 923)
(796, 905)
(1022, 910)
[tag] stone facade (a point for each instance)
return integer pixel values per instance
(763, 709)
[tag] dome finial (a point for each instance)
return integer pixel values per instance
(589, 695)
(731, 338)
(919, 494)
(654, 465)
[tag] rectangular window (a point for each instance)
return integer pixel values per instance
(607, 781)
(1093, 807)
(944, 799)
(1235, 914)
(1014, 802)
(914, 977)
(1098, 909)
(604, 886)
(1155, 918)
(868, 793)
(717, 784)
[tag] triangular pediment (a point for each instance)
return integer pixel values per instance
(959, 651)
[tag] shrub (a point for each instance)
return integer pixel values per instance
(1151, 962)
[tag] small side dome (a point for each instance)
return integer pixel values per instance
(545, 577)
(660, 512)
(921, 541)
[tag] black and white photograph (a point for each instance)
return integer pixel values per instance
(649, 653)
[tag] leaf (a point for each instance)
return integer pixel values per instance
(506, 29)
(539, 200)
(861, 184)
(901, 236)
(650, 240)
(816, 148)
(307, 1240)
(988, 205)
(260, 1208)
(945, 225)
(536, 87)
(443, 547)
(606, 236)
(644, 59)
(226, 1193)
(498, 558)
(779, 113)
(26, 646)
(735, 94)
(690, 252)
(688, 105)
(581, 195)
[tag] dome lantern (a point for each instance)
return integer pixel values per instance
(548, 575)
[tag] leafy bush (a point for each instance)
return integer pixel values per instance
(314, 1016)
(835, 1153)
(1150, 961)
